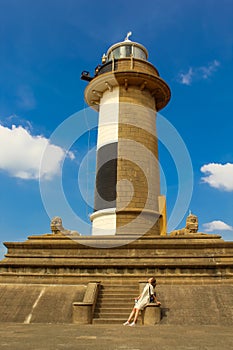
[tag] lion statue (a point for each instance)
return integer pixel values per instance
(190, 228)
(57, 227)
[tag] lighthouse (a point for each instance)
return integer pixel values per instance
(127, 91)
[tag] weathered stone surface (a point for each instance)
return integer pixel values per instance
(59, 259)
(38, 303)
(151, 315)
(83, 312)
(105, 337)
(208, 304)
(194, 275)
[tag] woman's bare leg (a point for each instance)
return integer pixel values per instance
(136, 315)
(131, 315)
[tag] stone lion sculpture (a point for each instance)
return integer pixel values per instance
(57, 227)
(191, 226)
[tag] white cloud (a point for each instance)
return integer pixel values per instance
(206, 72)
(186, 78)
(21, 153)
(198, 73)
(217, 225)
(218, 175)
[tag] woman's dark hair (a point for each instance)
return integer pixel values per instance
(153, 281)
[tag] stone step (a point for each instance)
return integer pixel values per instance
(113, 320)
(105, 304)
(114, 303)
(117, 293)
(115, 285)
(112, 315)
(108, 320)
(113, 310)
(123, 290)
(116, 297)
(118, 287)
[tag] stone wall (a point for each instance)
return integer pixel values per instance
(196, 304)
(38, 303)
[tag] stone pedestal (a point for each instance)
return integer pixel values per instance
(82, 313)
(58, 259)
(151, 315)
(197, 269)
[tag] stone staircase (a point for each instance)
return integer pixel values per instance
(114, 303)
(181, 304)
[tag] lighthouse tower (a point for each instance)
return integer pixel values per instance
(127, 91)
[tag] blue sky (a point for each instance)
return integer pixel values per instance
(45, 45)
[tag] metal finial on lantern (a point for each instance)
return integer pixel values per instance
(127, 36)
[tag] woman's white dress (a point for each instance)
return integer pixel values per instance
(145, 297)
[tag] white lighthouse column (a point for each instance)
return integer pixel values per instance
(104, 217)
(127, 91)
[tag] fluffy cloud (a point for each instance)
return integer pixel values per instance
(217, 225)
(198, 73)
(21, 154)
(186, 78)
(218, 175)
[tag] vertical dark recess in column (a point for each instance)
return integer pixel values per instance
(106, 177)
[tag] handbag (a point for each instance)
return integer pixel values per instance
(151, 296)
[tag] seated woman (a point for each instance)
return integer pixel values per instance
(143, 300)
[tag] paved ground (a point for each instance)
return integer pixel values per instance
(110, 337)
